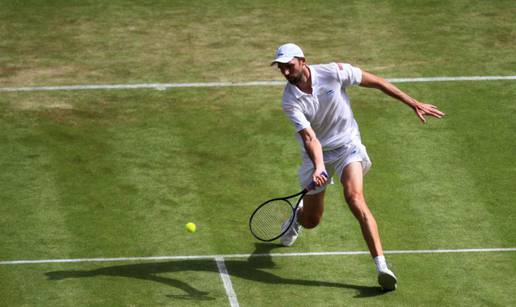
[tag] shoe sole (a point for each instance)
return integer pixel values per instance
(289, 242)
(387, 282)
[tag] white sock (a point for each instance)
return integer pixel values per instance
(381, 264)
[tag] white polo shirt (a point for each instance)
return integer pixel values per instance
(327, 110)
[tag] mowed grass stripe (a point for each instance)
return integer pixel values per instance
(32, 215)
(472, 182)
(487, 153)
(155, 172)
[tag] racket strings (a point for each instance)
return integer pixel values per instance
(267, 221)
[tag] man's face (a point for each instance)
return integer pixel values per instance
(293, 70)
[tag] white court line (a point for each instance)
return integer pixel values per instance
(224, 275)
(212, 257)
(164, 86)
(440, 79)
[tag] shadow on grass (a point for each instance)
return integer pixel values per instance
(250, 269)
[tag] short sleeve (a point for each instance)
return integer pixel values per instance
(348, 74)
(296, 116)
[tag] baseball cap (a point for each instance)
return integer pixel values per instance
(285, 53)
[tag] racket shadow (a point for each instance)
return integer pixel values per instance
(249, 269)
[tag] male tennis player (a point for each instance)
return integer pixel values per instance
(315, 100)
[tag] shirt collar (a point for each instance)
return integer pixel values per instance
(315, 77)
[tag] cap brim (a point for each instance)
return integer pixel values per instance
(284, 59)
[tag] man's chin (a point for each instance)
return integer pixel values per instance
(294, 81)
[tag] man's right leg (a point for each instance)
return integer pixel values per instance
(308, 215)
(313, 208)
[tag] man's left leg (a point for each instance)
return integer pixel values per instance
(352, 181)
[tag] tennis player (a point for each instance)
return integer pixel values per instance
(316, 102)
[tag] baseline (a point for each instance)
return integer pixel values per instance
(165, 86)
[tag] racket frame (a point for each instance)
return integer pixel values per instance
(310, 187)
(301, 194)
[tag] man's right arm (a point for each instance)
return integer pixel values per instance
(314, 149)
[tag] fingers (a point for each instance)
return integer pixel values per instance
(428, 109)
(438, 113)
(320, 178)
(421, 117)
(432, 110)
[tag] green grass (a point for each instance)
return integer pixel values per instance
(77, 42)
(118, 173)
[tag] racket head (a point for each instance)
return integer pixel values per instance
(267, 220)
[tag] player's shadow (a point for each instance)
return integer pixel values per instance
(251, 269)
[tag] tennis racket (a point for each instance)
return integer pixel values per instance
(267, 221)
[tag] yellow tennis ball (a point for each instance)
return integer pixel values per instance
(190, 227)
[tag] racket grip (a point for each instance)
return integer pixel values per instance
(312, 184)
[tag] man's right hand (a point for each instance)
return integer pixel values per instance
(320, 177)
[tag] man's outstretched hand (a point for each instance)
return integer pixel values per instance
(424, 109)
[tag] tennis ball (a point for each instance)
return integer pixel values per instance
(190, 227)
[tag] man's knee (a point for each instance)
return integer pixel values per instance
(355, 199)
(312, 211)
(358, 206)
(310, 222)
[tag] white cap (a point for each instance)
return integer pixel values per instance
(287, 52)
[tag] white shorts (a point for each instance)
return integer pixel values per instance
(335, 161)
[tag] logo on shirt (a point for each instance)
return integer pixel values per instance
(330, 92)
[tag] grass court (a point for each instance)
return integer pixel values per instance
(96, 174)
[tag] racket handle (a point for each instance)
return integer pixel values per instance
(312, 184)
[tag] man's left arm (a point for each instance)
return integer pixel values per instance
(421, 109)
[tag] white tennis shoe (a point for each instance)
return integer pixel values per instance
(289, 237)
(387, 280)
